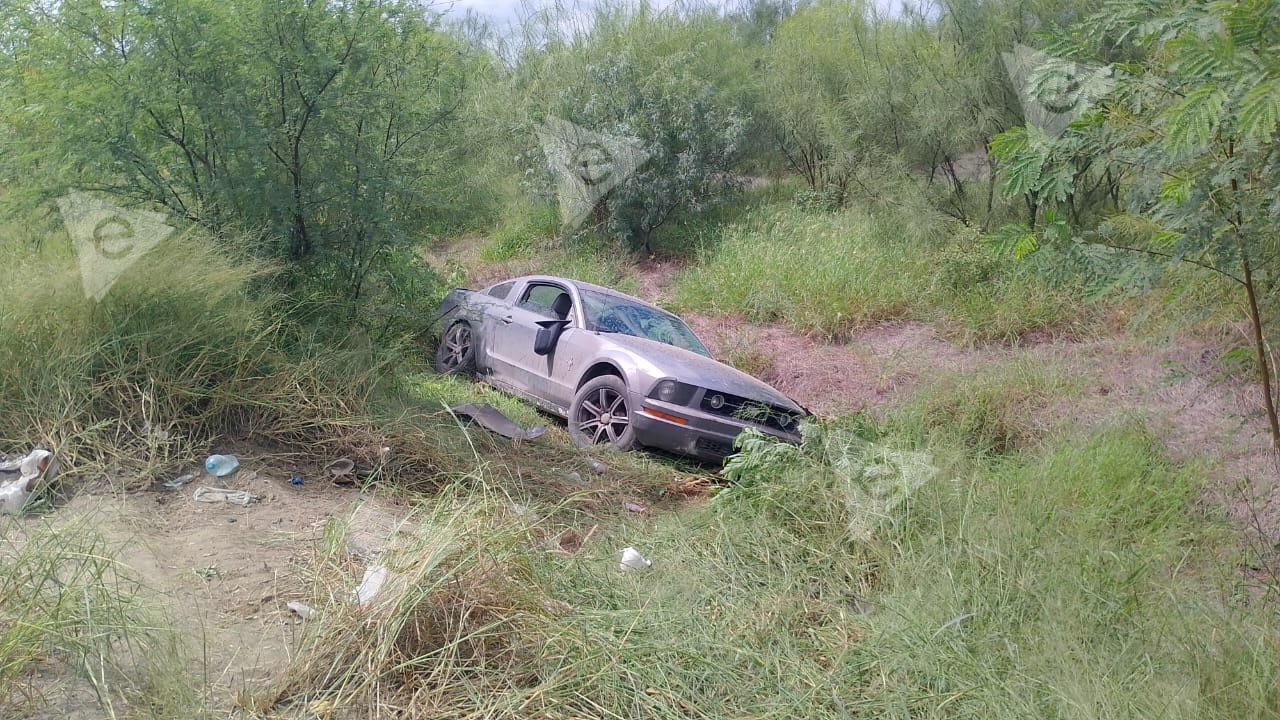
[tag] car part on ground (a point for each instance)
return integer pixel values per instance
(492, 419)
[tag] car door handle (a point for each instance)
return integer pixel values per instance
(508, 319)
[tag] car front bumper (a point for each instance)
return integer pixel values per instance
(701, 435)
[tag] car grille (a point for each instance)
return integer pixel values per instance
(751, 411)
(714, 447)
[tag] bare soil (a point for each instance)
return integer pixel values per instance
(222, 574)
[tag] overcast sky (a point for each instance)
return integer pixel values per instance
(505, 11)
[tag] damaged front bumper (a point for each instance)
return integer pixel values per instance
(689, 431)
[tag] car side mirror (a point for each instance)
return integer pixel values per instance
(548, 335)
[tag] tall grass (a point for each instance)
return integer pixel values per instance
(828, 274)
(839, 578)
(187, 349)
(1000, 409)
(69, 612)
(1076, 582)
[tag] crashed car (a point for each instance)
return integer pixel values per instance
(622, 372)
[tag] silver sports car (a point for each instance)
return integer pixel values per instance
(620, 370)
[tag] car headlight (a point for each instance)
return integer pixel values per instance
(672, 391)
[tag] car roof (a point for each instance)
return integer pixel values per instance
(589, 286)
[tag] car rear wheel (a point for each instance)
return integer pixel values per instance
(600, 414)
(456, 354)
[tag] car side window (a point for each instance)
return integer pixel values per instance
(500, 291)
(545, 300)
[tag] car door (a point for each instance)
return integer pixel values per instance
(515, 363)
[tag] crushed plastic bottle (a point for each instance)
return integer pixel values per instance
(221, 465)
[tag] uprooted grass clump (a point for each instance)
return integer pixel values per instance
(994, 411)
(188, 347)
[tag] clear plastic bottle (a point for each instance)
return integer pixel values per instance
(221, 465)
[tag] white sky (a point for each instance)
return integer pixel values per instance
(506, 11)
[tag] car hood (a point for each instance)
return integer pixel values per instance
(694, 369)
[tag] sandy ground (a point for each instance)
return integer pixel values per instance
(221, 574)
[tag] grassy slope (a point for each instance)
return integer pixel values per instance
(827, 274)
(1039, 572)
(1043, 571)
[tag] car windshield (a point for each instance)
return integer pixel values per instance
(610, 313)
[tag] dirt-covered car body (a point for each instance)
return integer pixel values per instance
(620, 370)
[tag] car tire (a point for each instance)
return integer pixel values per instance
(601, 415)
(456, 353)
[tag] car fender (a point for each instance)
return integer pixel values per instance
(637, 372)
(468, 305)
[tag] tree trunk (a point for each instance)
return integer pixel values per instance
(1260, 346)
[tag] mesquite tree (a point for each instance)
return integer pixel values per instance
(1191, 124)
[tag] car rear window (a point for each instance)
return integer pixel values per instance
(500, 291)
(541, 298)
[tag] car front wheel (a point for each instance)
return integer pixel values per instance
(456, 354)
(601, 414)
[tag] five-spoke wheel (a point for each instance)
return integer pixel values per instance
(457, 351)
(601, 414)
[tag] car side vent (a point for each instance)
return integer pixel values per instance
(714, 446)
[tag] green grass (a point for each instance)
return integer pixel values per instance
(1077, 581)
(998, 409)
(829, 274)
(840, 578)
(190, 347)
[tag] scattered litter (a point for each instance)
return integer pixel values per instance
(221, 465)
(374, 577)
(295, 480)
(341, 470)
(181, 480)
(303, 610)
(384, 455)
(222, 495)
(575, 477)
(635, 507)
(632, 560)
(492, 419)
(19, 478)
(597, 466)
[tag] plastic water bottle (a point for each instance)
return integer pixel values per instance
(221, 465)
